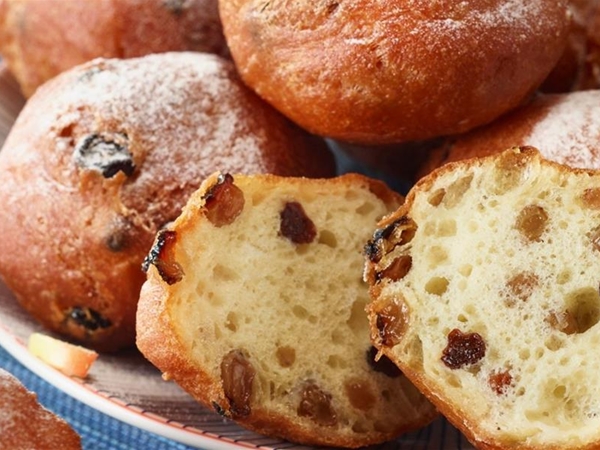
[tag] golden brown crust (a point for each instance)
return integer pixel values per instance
(162, 338)
(25, 424)
(563, 126)
(384, 72)
(40, 39)
(434, 387)
(179, 116)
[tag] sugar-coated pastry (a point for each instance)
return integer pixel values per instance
(484, 290)
(103, 156)
(377, 72)
(25, 424)
(579, 65)
(255, 305)
(564, 127)
(41, 38)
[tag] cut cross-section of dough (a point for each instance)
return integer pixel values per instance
(255, 304)
(496, 316)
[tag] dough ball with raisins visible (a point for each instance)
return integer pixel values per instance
(106, 154)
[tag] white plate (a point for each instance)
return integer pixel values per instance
(126, 387)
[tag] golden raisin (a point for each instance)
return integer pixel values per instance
(237, 375)
(392, 320)
(594, 236)
(286, 356)
(397, 269)
(591, 198)
(316, 405)
(107, 153)
(399, 232)
(500, 381)
(296, 225)
(521, 286)
(563, 322)
(463, 349)
(224, 201)
(360, 394)
(531, 222)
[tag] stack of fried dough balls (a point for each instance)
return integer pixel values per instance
(373, 72)
(103, 156)
(40, 39)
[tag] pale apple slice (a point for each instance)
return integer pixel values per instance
(70, 359)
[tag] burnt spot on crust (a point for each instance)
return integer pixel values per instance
(237, 376)
(463, 349)
(295, 224)
(315, 404)
(87, 318)
(161, 256)
(223, 201)
(106, 153)
(382, 365)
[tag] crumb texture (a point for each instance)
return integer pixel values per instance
(26, 424)
(272, 309)
(498, 309)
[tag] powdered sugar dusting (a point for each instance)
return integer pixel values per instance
(25, 423)
(184, 116)
(166, 101)
(570, 132)
(518, 18)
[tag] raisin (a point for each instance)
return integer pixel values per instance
(237, 375)
(397, 269)
(463, 349)
(286, 356)
(531, 222)
(399, 232)
(521, 285)
(105, 153)
(87, 318)
(316, 405)
(563, 322)
(500, 381)
(382, 365)
(162, 258)
(360, 394)
(591, 198)
(391, 322)
(223, 201)
(119, 234)
(296, 225)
